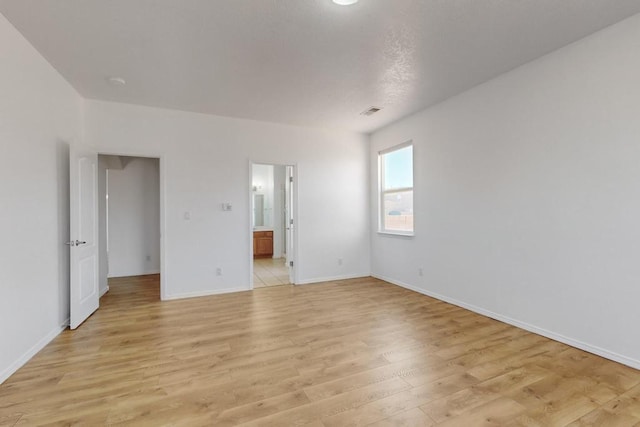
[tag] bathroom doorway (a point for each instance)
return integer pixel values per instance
(272, 225)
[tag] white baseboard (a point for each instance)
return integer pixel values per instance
(204, 293)
(104, 291)
(331, 279)
(241, 289)
(137, 273)
(146, 273)
(32, 351)
(628, 361)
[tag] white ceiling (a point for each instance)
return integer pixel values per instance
(305, 62)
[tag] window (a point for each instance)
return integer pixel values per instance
(396, 189)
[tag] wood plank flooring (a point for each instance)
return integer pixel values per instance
(349, 353)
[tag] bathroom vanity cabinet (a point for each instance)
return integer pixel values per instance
(262, 244)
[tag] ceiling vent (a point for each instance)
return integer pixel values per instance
(370, 111)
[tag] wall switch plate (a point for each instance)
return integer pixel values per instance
(219, 271)
(187, 216)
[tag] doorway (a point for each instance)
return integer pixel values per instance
(88, 219)
(272, 255)
(129, 223)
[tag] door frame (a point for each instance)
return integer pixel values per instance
(293, 277)
(162, 190)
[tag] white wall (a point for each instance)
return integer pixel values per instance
(39, 114)
(134, 218)
(103, 265)
(527, 196)
(279, 177)
(205, 161)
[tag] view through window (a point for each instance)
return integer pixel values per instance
(396, 189)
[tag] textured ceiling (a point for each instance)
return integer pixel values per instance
(305, 62)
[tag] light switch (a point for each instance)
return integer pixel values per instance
(187, 216)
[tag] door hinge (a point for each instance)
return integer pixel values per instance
(291, 221)
(290, 263)
(290, 179)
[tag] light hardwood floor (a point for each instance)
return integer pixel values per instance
(354, 352)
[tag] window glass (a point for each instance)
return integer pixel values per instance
(396, 190)
(398, 167)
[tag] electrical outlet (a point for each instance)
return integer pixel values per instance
(148, 258)
(420, 272)
(219, 271)
(339, 261)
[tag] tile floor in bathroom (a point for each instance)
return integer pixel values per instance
(269, 272)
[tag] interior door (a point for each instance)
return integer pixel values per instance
(83, 241)
(290, 226)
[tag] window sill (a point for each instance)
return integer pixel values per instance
(396, 233)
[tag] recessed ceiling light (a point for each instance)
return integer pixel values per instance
(116, 81)
(345, 2)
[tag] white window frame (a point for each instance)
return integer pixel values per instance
(382, 191)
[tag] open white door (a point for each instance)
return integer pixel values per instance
(289, 224)
(83, 241)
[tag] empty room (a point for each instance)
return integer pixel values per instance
(320, 212)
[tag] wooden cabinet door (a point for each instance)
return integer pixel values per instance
(265, 245)
(262, 243)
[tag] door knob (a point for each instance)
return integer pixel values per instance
(75, 243)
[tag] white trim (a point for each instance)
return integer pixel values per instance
(607, 354)
(397, 190)
(4, 375)
(332, 278)
(251, 228)
(396, 147)
(204, 293)
(104, 291)
(294, 256)
(382, 191)
(396, 233)
(164, 286)
(294, 272)
(162, 189)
